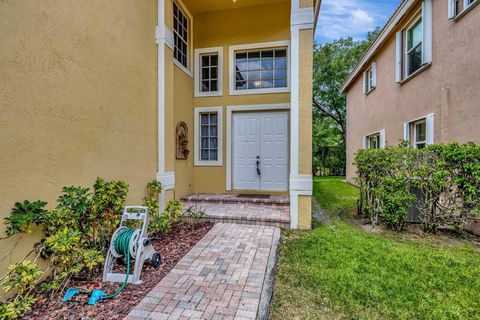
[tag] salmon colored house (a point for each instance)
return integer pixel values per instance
(206, 96)
(419, 81)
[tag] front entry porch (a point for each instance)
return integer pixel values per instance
(249, 209)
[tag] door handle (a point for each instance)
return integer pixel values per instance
(259, 172)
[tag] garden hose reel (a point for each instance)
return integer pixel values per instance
(140, 247)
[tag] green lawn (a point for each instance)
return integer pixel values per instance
(342, 272)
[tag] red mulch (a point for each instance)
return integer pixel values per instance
(172, 248)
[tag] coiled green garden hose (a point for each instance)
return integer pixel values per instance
(122, 245)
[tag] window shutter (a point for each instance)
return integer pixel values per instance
(399, 64)
(374, 74)
(382, 138)
(427, 31)
(406, 131)
(365, 144)
(430, 129)
(364, 82)
(451, 9)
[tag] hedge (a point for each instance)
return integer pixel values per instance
(445, 177)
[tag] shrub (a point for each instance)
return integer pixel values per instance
(163, 222)
(447, 178)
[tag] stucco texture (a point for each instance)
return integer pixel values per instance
(77, 98)
(449, 88)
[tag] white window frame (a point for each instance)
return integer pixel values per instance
(410, 25)
(414, 125)
(198, 73)
(467, 6)
(381, 139)
(197, 143)
(186, 12)
(425, 12)
(429, 130)
(370, 79)
(260, 46)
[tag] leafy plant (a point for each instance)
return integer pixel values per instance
(23, 215)
(163, 222)
(194, 216)
(22, 279)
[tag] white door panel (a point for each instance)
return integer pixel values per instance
(263, 135)
(246, 148)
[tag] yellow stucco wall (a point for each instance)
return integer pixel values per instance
(304, 212)
(77, 98)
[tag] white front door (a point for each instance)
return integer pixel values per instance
(260, 151)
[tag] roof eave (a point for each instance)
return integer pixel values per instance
(384, 34)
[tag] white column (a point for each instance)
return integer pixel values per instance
(301, 19)
(164, 39)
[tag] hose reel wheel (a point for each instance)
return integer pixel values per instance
(134, 242)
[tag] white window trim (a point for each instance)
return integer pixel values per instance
(425, 12)
(429, 130)
(466, 9)
(381, 135)
(417, 16)
(208, 163)
(366, 83)
(261, 45)
(414, 124)
(198, 75)
(188, 70)
(229, 117)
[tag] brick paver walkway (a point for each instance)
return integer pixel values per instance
(227, 275)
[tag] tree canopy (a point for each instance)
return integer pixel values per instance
(332, 63)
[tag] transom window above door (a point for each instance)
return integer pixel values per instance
(256, 70)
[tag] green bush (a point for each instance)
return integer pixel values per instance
(447, 178)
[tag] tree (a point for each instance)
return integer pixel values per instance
(332, 63)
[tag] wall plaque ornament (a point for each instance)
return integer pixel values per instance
(182, 141)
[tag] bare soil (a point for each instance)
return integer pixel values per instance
(172, 247)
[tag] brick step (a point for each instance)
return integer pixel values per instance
(244, 213)
(238, 198)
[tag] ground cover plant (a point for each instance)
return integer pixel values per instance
(340, 271)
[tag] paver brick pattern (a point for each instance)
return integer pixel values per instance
(220, 278)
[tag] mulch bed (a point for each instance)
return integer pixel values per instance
(172, 248)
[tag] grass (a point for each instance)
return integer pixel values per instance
(342, 272)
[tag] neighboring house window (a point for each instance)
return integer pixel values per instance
(208, 136)
(420, 132)
(208, 72)
(259, 70)
(414, 44)
(181, 35)
(375, 140)
(370, 79)
(457, 7)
